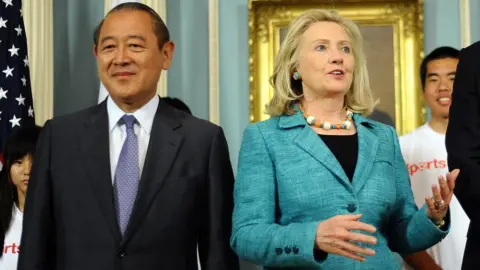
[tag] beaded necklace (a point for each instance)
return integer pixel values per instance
(312, 121)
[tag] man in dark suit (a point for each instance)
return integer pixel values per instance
(463, 146)
(130, 183)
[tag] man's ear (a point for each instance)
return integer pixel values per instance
(167, 51)
(95, 50)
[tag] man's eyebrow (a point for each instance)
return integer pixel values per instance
(129, 37)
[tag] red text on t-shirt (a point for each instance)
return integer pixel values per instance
(426, 165)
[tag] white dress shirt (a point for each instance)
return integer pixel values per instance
(118, 134)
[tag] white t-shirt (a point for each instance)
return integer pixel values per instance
(426, 156)
(12, 242)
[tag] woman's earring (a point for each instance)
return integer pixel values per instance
(296, 75)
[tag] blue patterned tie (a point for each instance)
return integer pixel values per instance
(127, 174)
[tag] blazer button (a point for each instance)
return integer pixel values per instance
(279, 251)
(295, 250)
(351, 207)
(121, 253)
(288, 249)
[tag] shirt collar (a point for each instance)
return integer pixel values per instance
(144, 115)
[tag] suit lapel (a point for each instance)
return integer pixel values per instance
(94, 147)
(367, 150)
(162, 150)
(311, 143)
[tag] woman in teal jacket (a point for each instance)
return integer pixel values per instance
(320, 186)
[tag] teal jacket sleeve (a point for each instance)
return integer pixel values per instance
(410, 228)
(255, 235)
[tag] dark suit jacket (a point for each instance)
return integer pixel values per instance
(463, 146)
(184, 197)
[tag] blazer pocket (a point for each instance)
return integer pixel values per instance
(381, 160)
(190, 176)
(384, 168)
(190, 181)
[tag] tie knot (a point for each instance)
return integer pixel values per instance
(129, 120)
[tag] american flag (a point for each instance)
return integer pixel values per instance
(16, 102)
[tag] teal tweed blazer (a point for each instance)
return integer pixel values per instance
(288, 182)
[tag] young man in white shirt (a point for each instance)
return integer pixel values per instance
(426, 157)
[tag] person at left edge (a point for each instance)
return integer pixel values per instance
(14, 178)
(130, 183)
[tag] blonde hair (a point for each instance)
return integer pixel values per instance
(358, 99)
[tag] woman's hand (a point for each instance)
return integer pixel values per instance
(438, 203)
(334, 236)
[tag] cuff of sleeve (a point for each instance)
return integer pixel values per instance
(305, 246)
(428, 230)
(446, 226)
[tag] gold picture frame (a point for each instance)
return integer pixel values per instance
(395, 29)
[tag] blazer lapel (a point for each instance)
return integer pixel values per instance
(367, 150)
(162, 150)
(94, 147)
(311, 143)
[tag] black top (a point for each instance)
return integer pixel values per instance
(345, 149)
